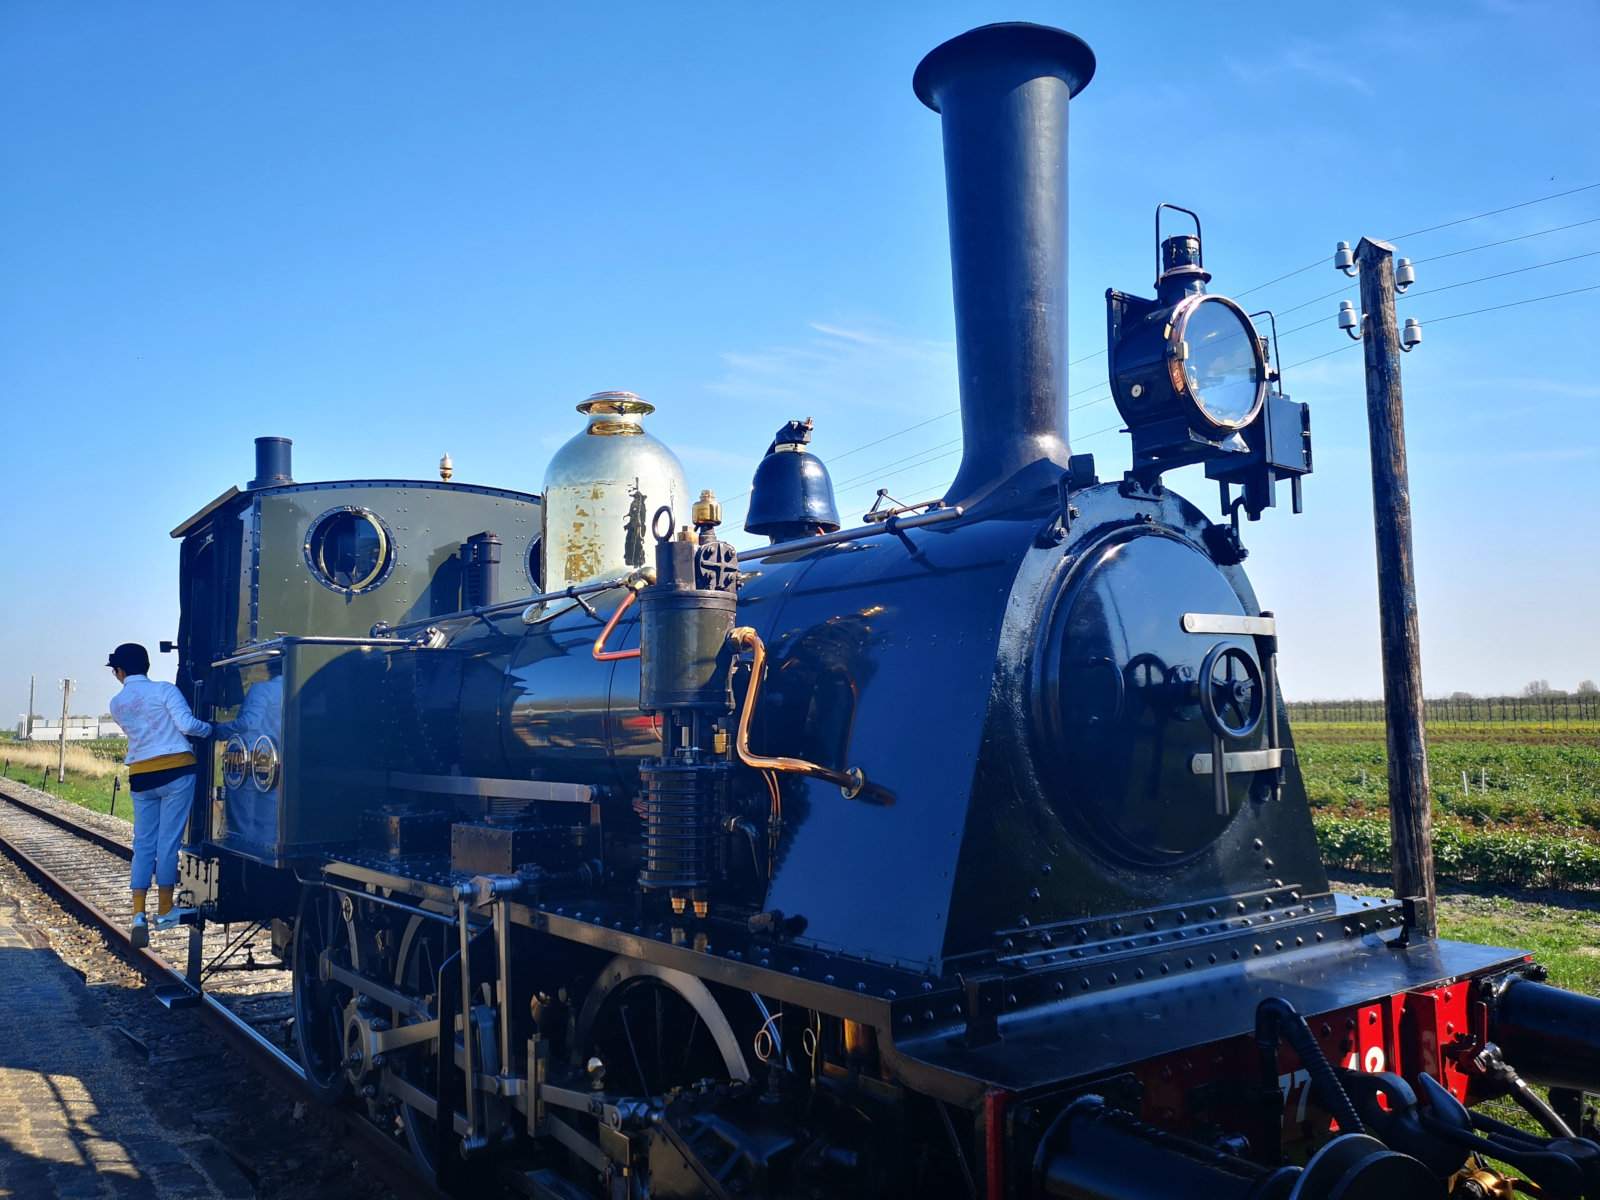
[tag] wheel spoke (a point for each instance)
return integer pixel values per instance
(688, 1042)
(633, 1049)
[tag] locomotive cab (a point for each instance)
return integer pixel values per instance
(281, 584)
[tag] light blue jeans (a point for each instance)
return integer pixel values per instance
(159, 815)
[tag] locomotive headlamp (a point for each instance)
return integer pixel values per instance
(1188, 369)
(1215, 361)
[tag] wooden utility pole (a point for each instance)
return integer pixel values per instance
(61, 756)
(28, 734)
(1410, 805)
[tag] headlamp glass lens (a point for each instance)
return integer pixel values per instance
(1223, 367)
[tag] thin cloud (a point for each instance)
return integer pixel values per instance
(869, 367)
(1306, 61)
(849, 335)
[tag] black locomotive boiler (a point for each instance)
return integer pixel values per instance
(961, 853)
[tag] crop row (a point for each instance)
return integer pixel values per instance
(1484, 782)
(1506, 858)
(1544, 709)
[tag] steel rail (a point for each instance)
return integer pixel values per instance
(88, 833)
(397, 1168)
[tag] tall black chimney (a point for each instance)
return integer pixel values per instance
(1002, 93)
(272, 462)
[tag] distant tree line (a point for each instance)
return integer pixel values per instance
(1538, 704)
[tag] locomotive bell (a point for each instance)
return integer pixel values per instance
(601, 490)
(791, 495)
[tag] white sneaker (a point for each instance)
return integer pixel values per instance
(139, 934)
(172, 918)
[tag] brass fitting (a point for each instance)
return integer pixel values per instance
(677, 906)
(701, 908)
(850, 782)
(1484, 1183)
(707, 510)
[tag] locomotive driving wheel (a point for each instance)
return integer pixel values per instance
(325, 925)
(655, 1029)
(423, 947)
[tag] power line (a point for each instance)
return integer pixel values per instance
(1593, 287)
(1555, 262)
(1521, 237)
(877, 478)
(949, 453)
(1349, 288)
(1289, 275)
(1324, 354)
(1493, 212)
(1471, 312)
(876, 472)
(1296, 308)
(879, 441)
(1315, 300)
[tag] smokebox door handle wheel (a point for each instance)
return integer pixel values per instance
(1231, 691)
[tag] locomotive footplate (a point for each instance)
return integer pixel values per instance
(1103, 1017)
(714, 948)
(1013, 1020)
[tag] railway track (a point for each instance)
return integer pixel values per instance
(244, 996)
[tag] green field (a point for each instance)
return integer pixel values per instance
(1514, 804)
(94, 771)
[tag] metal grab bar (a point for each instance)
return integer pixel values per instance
(601, 654)
(850, 782)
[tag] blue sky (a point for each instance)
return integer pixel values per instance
(390, 231)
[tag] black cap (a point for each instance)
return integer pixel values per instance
(131, 657)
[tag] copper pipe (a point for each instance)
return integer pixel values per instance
(601, 654)
(849, 782)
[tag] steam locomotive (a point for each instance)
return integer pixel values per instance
(960, 853)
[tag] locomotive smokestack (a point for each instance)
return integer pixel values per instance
(1002, 93)
(272, 462)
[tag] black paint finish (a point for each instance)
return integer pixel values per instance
(1001, 92)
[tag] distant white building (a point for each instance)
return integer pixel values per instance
(109, 729)
(79, 729)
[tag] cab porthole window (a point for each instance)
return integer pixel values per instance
(349, 550)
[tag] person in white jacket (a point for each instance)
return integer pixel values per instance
(161, 770)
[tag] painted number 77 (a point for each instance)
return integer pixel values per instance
(1296, 1087)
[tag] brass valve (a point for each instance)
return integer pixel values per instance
(1480, 1183)
(707, 511)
